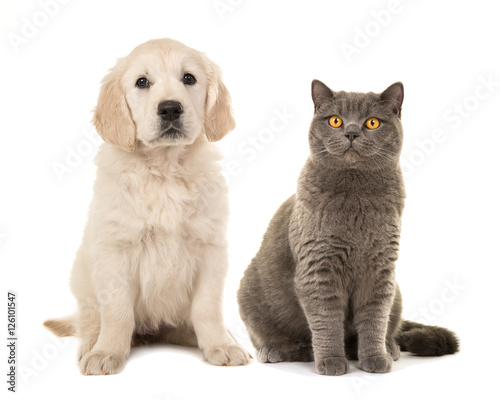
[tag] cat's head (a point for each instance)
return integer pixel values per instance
(356, 130)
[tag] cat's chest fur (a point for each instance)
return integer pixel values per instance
(351, 213)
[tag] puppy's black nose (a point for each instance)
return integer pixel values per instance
(169, 110)
(352, 135)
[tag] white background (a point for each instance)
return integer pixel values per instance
(444, 52)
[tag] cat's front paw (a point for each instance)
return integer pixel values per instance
(101, 363)
(377, 364)
(229, 354)
(332, 366)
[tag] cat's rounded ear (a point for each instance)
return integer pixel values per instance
(394, 95)
(320, 93)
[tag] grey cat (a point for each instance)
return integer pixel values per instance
(322, 286)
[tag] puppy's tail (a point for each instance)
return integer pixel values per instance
(425, 340)
(63, 326)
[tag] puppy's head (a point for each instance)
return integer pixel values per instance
(163, 94)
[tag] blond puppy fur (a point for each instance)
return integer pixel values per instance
(153, 258)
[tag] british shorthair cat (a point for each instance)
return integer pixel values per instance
(322, 286)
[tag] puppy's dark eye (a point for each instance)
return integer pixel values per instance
(142, 83)
(189, 79)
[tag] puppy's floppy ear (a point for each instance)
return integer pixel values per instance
(219, 120)
(112, 117)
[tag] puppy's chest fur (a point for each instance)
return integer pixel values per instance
(174, 208)
(162, 199)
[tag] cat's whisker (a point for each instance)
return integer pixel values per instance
(385, 154)
(377, 163)
(320, 152)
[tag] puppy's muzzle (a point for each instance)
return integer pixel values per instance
(170, 110)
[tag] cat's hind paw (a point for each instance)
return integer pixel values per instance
(269, 354)
(295, 351)
(393, 350)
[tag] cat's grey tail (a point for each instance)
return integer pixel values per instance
(426, 340)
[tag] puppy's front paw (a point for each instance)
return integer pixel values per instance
(229, 354)
(332, 366)
(85, 347)
(101, 363)
(378, 364)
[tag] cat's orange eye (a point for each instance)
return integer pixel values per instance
(335, 121)
(372, 123)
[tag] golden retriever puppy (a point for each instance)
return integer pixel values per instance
(153, 258)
